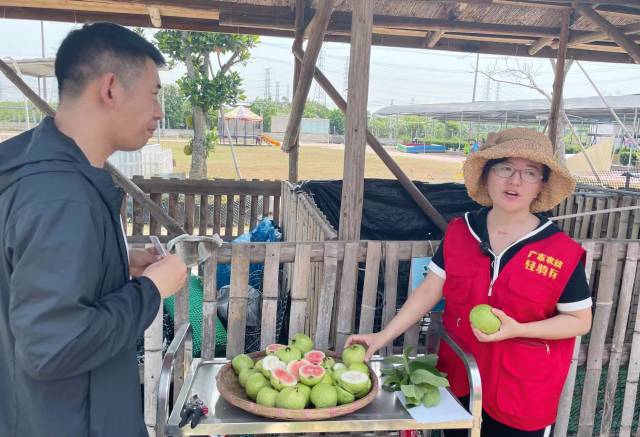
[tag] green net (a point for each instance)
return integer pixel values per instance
(195, 316)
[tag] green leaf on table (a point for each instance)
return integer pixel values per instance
(387, 371)
(422, 376)
(394, 359)
(431, 397)
(413, 391)
(430, 359)
(416, 365)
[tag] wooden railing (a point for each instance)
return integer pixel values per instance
(203, 207)
(613, 344)
(620, 225)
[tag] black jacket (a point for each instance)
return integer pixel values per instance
(69, 314)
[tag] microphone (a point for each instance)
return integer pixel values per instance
(485, 248)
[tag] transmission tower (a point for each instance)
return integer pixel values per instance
(320, 96)
(277, 91)
(267, 83)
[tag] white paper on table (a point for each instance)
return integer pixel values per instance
(449, 409)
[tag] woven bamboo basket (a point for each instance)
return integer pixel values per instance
(231, 390)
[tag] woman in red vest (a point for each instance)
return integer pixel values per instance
(513, 258)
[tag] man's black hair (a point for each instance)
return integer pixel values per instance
(100, 48)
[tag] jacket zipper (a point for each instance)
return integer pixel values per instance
(535, 343)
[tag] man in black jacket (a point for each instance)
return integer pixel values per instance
(73, 298)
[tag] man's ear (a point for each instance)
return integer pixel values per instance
(108, 89)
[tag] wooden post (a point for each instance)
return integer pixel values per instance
(318, 28)
(612, 31)
(294, 152)
(132, 189)
(558, 83)
(356, 122)
(395, 169)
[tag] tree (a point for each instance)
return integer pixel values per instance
(266, 108)
(177, 108)
(206, 89)
(336, 122)
(524, 74)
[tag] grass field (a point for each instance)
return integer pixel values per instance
(316, 162)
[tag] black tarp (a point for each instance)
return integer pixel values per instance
(388, 211)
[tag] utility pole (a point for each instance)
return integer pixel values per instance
(277, 91)
(475, 77)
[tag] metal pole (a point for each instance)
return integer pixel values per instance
(475, 78)
(233, 152)
(44, 78)
(613, 112)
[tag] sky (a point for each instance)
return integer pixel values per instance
(397, 76)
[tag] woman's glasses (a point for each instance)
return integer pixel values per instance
(528, 175)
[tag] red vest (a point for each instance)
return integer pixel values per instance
(522, 379)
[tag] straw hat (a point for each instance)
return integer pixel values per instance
(519, 143)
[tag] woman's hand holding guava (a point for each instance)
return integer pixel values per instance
(373, 342)
(509, 328)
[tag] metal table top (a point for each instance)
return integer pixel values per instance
(385, 413)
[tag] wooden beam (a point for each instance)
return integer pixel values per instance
(120, 7)
(294, 152)
(411, 189)
(454, 13)
(155, 15)
(587, 37)
(356, 122)
(539, 45)
(132, 189)
(318, 28)
(558, 82)
(613, 32)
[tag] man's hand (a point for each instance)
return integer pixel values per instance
(169, 274)
(140, 259)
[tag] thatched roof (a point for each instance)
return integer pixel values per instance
(509, 27)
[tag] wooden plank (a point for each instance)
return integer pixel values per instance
(238, 297)
(633, 374)
(189, 210)
(276, 210)
(578, 223)
(611, 217)
(622, 315)
(623, 224)
(152, 366)
(558, 82)
(635, 227)
(356, 122)
(327, 296)
(241, 214)
(586, 220)
(138, 218)
(347, 295)
(253, 213)
(154, 224)
(566, 223)
(173, 206)
(370, 288)
(270, 296)
(266, 205)
(299, 289)
(204, 215)
(217, 214)
(391, 256)
(181, 317)
(209, 307)
(412, 335)
(228, 227)
(318, 28)
(566, 398)
(598, 219)
(210, 186)
(604, 301)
